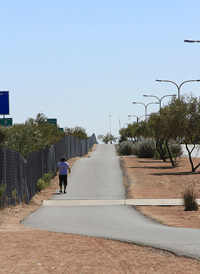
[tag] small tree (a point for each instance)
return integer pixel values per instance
(164, 127)
(133, 131)
(31, 136)
(109, 138)
(123, 136)
(185, 122)
(40, 118)
(78, 132)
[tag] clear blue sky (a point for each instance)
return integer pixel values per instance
(80, 61)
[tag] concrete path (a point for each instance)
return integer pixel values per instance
(95, 205)
(133, 202)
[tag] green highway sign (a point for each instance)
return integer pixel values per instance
(6, 122)
(52, 121)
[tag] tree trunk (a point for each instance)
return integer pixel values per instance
(190, 157)
(160, 150)
(170, 156)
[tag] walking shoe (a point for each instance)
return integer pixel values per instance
(60, 191)
(65, 192)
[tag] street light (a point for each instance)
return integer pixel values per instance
(110, 124)
(145, 106)
(142, 116)
(178, 87)
(134, 116)
(160, 98)
(192, 41)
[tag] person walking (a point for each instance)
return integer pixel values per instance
(62, 166)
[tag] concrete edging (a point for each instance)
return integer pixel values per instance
(129, 202)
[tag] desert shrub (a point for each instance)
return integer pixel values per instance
(145, 148)
(126, 148)
(175, 149)
(47, 177)
(52, 174)
(41, 185)
(189, 195)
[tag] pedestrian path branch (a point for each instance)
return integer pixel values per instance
(130, 202)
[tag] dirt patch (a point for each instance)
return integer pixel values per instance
(154, 179)
(28, 250)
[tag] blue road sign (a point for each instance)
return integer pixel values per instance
(4, 102)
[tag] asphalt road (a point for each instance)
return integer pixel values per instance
(100, 178)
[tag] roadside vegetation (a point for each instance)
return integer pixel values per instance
(107, 138)
(45, 181)
(36, 134)
(161, 135)
(189, 196)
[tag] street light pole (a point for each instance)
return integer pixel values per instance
(142, 116)
(145, 106)
(178, 87)
(160, 98)
(110, 124)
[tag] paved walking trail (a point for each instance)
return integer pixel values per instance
(95, 205)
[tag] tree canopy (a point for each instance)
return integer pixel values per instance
(108, 138)
(177, 122)
(78, 132)
(35, 134)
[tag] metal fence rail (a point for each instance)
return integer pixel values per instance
(19, 176)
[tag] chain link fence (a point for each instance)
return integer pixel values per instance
(19, 176)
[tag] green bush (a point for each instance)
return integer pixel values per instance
(52, 174)
(47, 177)
(126, 148)
(41, 185)
(176, 151)
(142, 149)
(145, 149)
(189, 195)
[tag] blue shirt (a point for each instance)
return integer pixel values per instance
(63, 166)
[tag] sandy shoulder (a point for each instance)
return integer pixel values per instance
(28, 250)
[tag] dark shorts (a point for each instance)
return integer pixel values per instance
(63, 179)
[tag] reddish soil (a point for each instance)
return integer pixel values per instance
(151, 179)
(27, 250)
